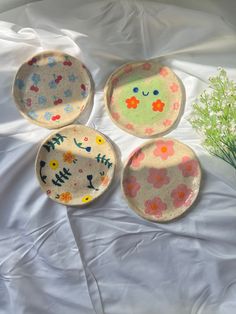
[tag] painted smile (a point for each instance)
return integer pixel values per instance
(145, 94)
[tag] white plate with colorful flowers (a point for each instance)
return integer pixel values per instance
(52, 89)
(75, 165)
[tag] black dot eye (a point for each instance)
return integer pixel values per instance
(135, 89)
(155, 92)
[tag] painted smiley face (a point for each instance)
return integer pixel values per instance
(144, 100)
(136, 90)
(155, 104)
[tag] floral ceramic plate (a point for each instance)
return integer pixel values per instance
(52, 89)
(161, 179)
(75, 165)
(144, 99)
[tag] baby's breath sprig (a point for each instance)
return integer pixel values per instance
(214, 116)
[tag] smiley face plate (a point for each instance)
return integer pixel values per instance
(75, 165)
(144, 98)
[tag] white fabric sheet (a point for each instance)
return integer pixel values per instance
(106, 259)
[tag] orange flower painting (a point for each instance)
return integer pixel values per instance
(158, 105)
(132, 103)
(65, 197)
(68, 157)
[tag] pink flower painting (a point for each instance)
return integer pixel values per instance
(128, 68)
(131, 186)
(174, 87)
(115, 81)
(136, 157)
(181, 195)
(164, 149)
(155, 207)
(147, 66)
(175, 105)
(149, 131)
(167, 122)
(115, 116)
(189, 167)
(29, 102)
(163, 72)
(158, 177)
(129, 126)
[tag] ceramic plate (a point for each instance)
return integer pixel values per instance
(52, 89)
(144, 99)
(161, 179)
(75, 165)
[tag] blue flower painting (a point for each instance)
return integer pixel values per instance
(68, 108)
(72, 78)
(35, 78)
(68, 93)
(52, 84)
(51, 62)
(47, 115)
(42, 100)
(33, 114)
(20, 84)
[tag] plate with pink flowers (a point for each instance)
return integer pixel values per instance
(75, 165)
(144, 98)
(161, 179)
(52, 89)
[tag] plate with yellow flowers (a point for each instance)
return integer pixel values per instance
(144, 98)
(75, 165)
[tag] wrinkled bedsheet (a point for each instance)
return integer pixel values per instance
(106, 259)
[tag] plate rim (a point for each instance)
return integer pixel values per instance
(43, 124)
(135, 208)
(114, 169)
(106, 102)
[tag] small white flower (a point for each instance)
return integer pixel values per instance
(218, 126)
(224, 103)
